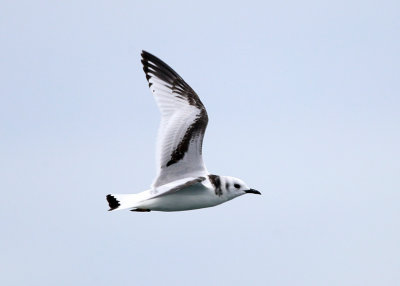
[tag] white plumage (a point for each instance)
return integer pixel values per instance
(182, 181)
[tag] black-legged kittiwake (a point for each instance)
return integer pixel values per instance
(183, 182)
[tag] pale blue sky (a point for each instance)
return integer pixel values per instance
(303, 99)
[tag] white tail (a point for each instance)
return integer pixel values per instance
(120, 202)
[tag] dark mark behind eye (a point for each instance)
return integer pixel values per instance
(216, 181)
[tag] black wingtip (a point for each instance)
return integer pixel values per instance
(146, 56)
(158, 66)
(112, 202)
(145, 53)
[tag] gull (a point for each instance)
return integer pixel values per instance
(182, 182)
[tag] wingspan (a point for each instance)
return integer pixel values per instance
(183, 123)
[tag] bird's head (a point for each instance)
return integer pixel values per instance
(236, 187)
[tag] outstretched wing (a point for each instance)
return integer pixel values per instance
(183, 123)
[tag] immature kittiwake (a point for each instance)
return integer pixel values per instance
(183, 182)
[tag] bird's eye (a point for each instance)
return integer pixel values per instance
(237, 186)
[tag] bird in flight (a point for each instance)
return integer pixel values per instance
(183, 182)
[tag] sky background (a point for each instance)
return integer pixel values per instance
(303, 99)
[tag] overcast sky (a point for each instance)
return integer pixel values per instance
(303, 99)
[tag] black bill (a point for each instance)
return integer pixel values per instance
(252, 191)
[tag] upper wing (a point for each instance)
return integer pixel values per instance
(183, 123)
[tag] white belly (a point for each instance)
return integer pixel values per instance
(193, 197)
